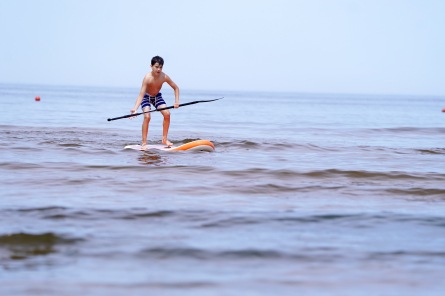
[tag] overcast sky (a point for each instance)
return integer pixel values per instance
(321, 46)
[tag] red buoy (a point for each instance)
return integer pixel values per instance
(37, 98)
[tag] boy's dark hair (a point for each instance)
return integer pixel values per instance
(157, 59)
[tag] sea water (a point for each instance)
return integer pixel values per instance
(315, 194)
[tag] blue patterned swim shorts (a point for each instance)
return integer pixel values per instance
(156, 101)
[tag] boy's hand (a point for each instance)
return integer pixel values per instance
(176, 105)
(131, 112)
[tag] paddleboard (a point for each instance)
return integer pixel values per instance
(200, 145)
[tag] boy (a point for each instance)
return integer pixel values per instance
(151, 85)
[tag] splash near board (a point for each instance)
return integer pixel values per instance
(200, 145)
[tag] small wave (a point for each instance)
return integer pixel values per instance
(168, 253)
(436, 151)
(424, 220)
(242, 144)
(57, 213)
(274, 188)
(70, 145)
(217, 219)
(329, 218)
(386, 255)
(394, 175)
(155, 214)
(350, 220)
(427, 192)
(410, 130)
(269, 146)
(365, 174)
(19, 165)
(44, 209)
(334, 173)
(26, 149)
(186, 140)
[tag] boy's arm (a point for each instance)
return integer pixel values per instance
(140, 97)
(175, 87)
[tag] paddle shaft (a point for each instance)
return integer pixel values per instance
(165, 108)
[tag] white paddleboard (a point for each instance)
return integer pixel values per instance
(200, 145)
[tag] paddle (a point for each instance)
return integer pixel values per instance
(165, 108)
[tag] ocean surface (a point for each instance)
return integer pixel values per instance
(306, 194)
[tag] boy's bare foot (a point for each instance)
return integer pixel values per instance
(144, 146)
(167, 142)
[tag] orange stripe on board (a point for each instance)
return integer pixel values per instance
(193, 144)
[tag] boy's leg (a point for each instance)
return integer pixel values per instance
(165, 124)
(145, 125)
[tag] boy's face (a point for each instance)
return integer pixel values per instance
(156, 69)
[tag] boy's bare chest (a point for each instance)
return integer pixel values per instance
(154, 85)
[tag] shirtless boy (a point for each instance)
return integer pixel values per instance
(151, 85)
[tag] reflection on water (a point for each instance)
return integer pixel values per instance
(152, 158)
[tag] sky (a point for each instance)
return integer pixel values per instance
(316, 46)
